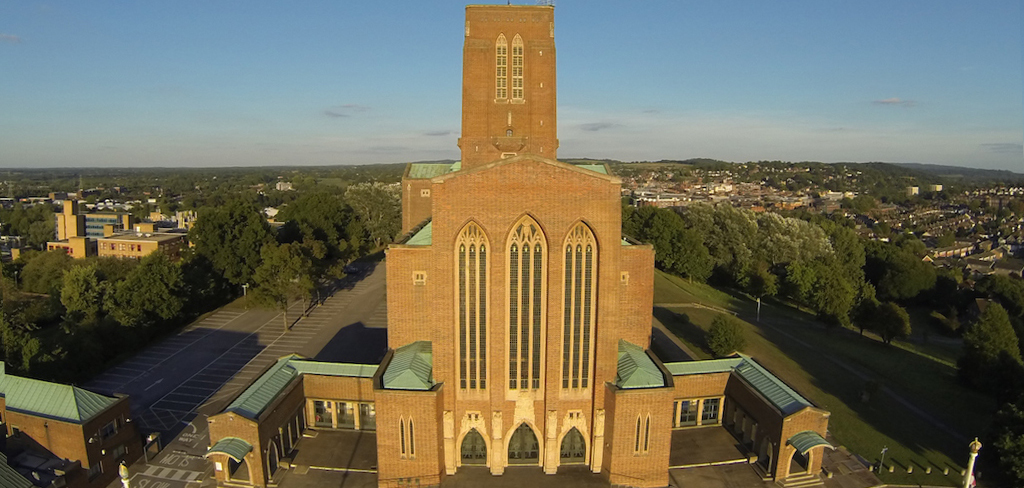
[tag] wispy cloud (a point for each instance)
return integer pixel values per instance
(345, 110)
(10, 38)
(894, 101)
(596, 126)
(1004, 147)
(438, 133)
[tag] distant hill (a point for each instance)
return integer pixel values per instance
(968, 174)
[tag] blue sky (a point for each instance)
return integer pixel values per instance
(233, 83)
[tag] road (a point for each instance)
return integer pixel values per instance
(178, 382)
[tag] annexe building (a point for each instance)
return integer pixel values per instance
(519, 318)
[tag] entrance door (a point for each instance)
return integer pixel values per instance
(474, 451)
(799, 463)
(523, 447)
(574, 450)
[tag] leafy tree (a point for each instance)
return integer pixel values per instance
(149, 295)
(44, 271)
(284, 275)
(81, 294)
(39, 233)
(892, 322)
(379, 207)
(991, 355)
(725, 336)
(832, 295)
(231, 237)
(896, 273)
(676, 249)
(761, 282)
(323, 217)
(1008, 434)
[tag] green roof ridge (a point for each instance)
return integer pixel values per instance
(52, 400)
(411, 368)
(786, 399)
(259, 395)
(636, 369)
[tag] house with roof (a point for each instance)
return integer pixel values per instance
(62, 431)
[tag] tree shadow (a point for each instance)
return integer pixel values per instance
(680, 324)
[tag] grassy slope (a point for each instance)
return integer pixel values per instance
(810, 358)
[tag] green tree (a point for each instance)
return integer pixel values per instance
(676, 249)
(151, 294)
(892, 322)
(379, 208)
(324, 217)
(284, 275)
(1008, 435)
(725, 336)
(81, 294)
(761, 282)
(832, 295)
(990, 352)
(44, 271)
(39, 233)
(231, 237)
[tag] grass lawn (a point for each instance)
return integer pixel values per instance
(831, 367)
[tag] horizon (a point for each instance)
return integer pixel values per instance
(198, 85)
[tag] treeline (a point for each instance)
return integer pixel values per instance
(65, 319)
(826, 267)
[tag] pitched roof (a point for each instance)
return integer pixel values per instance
(262, 392)
(423, 237)
(411, 368)
(703, 367)
(234, 447)
(636, 369)
(51, 400)
(430, 170)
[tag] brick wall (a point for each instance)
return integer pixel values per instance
(424, 465)
(625, 464)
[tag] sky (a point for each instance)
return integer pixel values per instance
(247, 83)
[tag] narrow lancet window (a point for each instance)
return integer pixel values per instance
(579, 307)
(527, 285)
(501, 69)
(472, 308)
(517, 68)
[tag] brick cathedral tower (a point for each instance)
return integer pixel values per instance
(508, 83)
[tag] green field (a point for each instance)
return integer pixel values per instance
(832, 366)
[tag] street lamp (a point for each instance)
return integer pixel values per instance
(245, 289)
(881, 462)
(974, 446)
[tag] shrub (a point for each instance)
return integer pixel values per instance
(725, 336)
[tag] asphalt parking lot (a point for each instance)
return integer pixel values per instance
(176, 383)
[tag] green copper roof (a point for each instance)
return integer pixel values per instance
(51, 400)
(636, 369)
(411, 368)
(597, 168)
(703, 367)
(430, 170)
(421, 238)
(262, 392)
(778, 393)
(234, 447)
(255, 399)
(807, 440)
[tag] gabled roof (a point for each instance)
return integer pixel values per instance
(429, 170)
(807, 440)
(771, 387)
(585, 169)
(51, 400)
(262, 392)
(234, 447)
(636, 369)
(423, 237)
(411, 368)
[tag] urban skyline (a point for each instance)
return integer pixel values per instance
(229, 84)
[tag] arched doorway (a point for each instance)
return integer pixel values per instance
(523, 447)
(474, 451)
(799, 463)
(273, 459)
(238, 471)
(574, 449)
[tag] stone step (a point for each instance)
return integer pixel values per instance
(806, 480)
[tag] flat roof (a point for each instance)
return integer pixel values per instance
(146, 237)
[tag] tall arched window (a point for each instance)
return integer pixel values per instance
(526, 251)
(579, 307)
(471, 268)
(517, 67)
(501, 72)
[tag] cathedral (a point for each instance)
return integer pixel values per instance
(519, 317)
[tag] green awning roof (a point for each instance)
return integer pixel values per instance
(807, 440)
(771, 387)
(636, 369)
(51, 400)
(421, 238)
(234, 447)
(411, 368)
(262, 392)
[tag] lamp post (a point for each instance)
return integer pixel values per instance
(123, 471)
(245, 289)
(881, 462)
(974, 446)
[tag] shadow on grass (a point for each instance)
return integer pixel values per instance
(680, 325)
